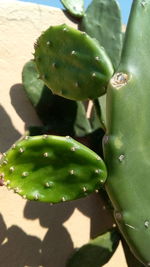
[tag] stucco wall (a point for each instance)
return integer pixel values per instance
(36, 234)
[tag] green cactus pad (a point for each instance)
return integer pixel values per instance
(126, 144)
(97, 252)
(72, 64)
(74, 7)
(54, 111)
(102, 21)
(52, 169)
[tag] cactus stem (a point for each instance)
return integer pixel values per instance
(25, 174)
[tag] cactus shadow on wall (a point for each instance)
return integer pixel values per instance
(22, 106)
(57, 245)
(17, 248)
(6, 139)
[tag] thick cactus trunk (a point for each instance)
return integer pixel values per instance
(127, 142)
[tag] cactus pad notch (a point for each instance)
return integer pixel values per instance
(72, 64)
(52, 169)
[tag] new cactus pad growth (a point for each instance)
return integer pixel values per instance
(52, 169)
(72, 64)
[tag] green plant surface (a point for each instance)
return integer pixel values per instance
(52, 169)
(71, 63)
(126, 144)
(59, 115)
(98, 118)
(75, 8)
(102, 21)
(97, 252)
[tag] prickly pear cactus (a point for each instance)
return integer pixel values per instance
(75, 66)
(71, 63)
(126, 143)
(52, 169)
(102, 20)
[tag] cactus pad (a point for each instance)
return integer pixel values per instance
(126, 144)
(75, 8)
(72, 64)
(54, 111)
(102, 21)
(52, 169)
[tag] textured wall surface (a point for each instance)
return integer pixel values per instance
(36, 234)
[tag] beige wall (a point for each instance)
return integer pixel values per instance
(36, 234)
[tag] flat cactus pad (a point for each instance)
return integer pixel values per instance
(51, 169)
(72, 64)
